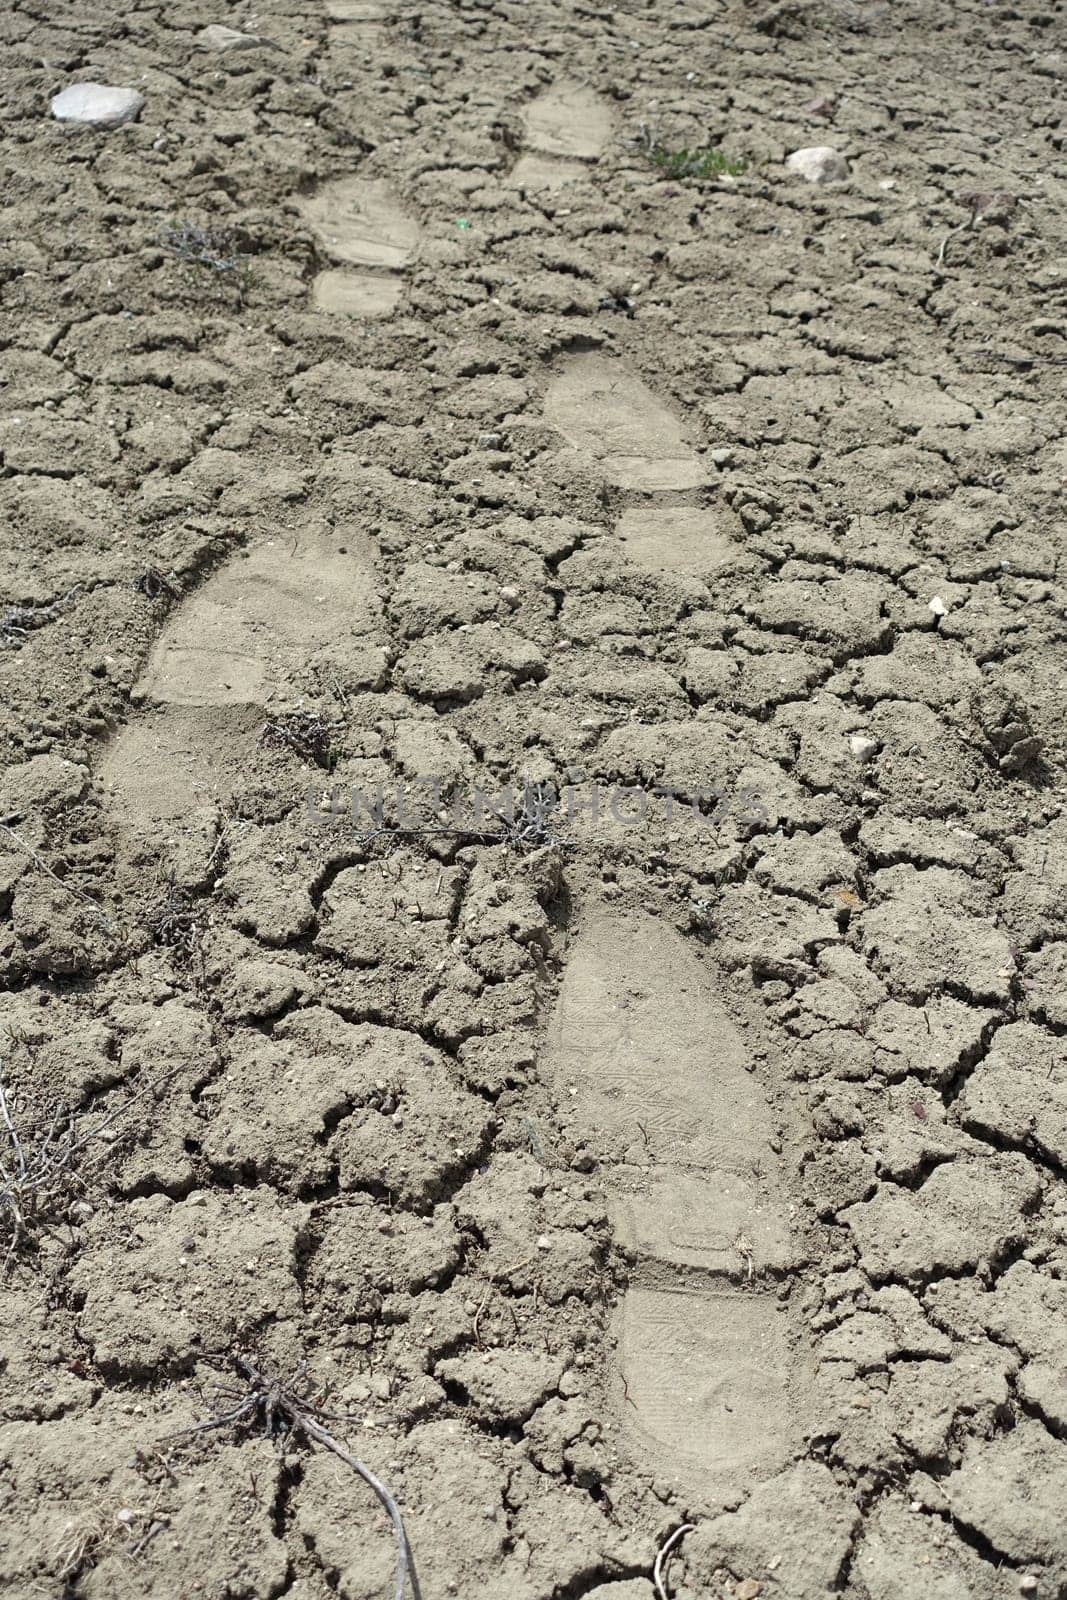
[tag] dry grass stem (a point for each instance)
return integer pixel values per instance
(659, 1570)
(282, 1409)
(43, 1172)
(42, 866)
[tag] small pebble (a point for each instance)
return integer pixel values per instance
(1027, 1583)
(98, 103)
(819, 164)
(937, 606)
(863, 748)
(218, 37)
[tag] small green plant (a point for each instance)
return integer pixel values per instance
(705, 163)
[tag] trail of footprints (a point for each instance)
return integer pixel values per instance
(359, 222)
(708, 1393)
(655, 1070)
(640, 1047)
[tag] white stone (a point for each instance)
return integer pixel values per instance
(862, 747)
(818, 164)
(99, 103)
(218, 37)
(937, 606)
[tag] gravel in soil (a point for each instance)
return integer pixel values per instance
(532, 814)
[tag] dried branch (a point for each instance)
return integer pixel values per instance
(659, 1570)
(18, 621)
(282, 1408)
(525, 830)
(42, 1174)
(308, 734)
(42, 866)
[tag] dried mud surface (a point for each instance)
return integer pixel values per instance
(655, 1168)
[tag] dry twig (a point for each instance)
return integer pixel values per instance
(42, 1173)
(659, 1570)
(179, 924)
(18, 621)
(525, 829)
(42, 866)
(283, 1409)
(308, 734)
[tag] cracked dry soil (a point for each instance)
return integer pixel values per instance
(383, 413)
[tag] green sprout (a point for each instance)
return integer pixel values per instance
(706, 163)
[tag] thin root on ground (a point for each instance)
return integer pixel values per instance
(659, 1570)
(44, 1166)
(42, 866)
(524, 829)
(283, 1409)
(308, 734)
